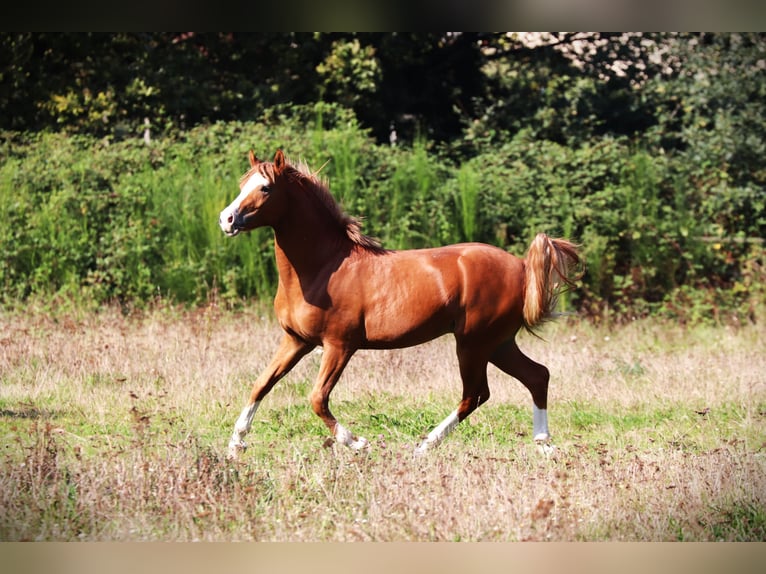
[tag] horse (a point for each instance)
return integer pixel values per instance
(341, 290)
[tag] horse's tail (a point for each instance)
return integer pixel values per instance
(550, 265)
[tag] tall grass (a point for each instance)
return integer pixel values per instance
(417, 212)
(468, 187)
(115, 429)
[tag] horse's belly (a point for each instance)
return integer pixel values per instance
(412, 311)
(405, 328)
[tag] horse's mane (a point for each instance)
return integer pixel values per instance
(320, 189)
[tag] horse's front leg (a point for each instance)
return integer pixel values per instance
(290, 351)
(334, 360)
(473, 371)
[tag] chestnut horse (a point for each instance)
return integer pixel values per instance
(341, 290)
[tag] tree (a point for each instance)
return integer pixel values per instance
(564, 87)
(107, 84)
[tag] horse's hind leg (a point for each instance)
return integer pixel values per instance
(534, 376)
(473, 371)
(290, 351)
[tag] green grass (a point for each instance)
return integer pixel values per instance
(115, 428)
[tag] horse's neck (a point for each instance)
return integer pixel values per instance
(308, 241)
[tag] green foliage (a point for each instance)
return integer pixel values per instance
(349, 71)
(407, 205)
(93, 221)
(468, 187)
(645, 148)
(642, 227)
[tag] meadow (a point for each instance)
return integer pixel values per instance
(114, 428)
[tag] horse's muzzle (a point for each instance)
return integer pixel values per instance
(228, 221)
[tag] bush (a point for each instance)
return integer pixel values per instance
(644, 230)
(95, 222)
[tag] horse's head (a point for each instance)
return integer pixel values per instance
(259, 202)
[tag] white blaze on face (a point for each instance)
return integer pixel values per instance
(229, 215)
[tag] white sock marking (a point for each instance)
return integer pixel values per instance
(540, 424)
(344, 436)
(241, 428)
(439, 433)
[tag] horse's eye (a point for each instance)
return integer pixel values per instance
(266, 189)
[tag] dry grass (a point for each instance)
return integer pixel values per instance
(115, 429)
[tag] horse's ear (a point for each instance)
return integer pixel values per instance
(253, 159)
(279, 161)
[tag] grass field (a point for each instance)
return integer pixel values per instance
(115, 428)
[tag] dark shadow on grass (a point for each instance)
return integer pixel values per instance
(29, 412)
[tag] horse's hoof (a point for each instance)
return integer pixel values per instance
(234, 449)
(360, 443)
(546, 448)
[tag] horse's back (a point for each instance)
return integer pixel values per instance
(409, 297)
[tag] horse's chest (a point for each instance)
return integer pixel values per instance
(301, 318)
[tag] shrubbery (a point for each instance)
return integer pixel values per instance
(95, 222)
